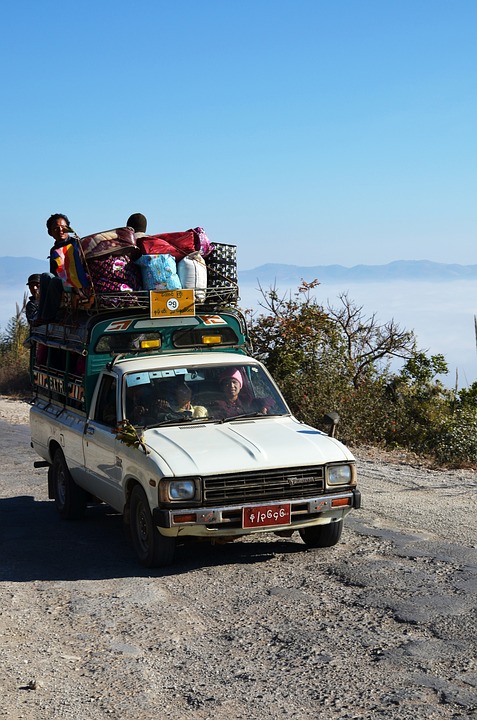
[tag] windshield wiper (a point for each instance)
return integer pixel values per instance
(244, 416)
(163, 423)
(173, 418)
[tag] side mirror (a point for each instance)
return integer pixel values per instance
(332, 419)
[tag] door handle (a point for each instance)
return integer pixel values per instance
(90, 430)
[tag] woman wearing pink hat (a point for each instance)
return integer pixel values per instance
(231, 383)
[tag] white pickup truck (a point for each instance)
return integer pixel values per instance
(170, 421)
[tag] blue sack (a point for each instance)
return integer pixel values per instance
(159, 272)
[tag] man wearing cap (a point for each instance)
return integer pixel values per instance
(31, 308)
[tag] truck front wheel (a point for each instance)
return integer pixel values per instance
(152, 548)
(70, 500)
(320, 536)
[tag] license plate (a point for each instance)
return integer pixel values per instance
(265, 515)
(167, 303)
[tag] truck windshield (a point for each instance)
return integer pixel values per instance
(216, 392)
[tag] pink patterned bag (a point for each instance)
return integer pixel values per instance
(114, 273)
(202, 242)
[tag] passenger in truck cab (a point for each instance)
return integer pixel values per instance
(237, 401)
(182, 401)
(231, 404)
(137, 405)
(179, 401)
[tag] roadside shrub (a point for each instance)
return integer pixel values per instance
(366, 415)
(14, 356)
(422, 405)
(456, 439)
(14, 376)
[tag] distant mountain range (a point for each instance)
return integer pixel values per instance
(14, 271)
(397, 270)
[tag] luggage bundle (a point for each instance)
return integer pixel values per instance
(175, 260)
(159, 272)
(117, 262)
(120, 241)
(110, 257)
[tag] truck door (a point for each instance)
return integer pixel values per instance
(102, 465)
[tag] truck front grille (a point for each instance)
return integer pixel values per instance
(266, 485)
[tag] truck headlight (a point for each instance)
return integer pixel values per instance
(340, 474)
(178, 490)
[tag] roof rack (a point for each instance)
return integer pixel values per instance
(213, 298)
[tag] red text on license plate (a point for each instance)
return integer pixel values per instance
(263, 515)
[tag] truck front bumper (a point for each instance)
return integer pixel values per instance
(228, 520)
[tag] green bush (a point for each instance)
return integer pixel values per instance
(422, 405)
(456, 440)
(14, 356)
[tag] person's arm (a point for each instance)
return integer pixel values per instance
(31, 310)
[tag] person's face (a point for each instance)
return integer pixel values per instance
(59, 230)
(231, 388)
(34, 288)
(183, 395)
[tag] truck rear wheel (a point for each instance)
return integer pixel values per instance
(320, 536)
(152, 548)
(70, 500)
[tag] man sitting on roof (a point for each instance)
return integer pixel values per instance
(138, 222)
(66, 269)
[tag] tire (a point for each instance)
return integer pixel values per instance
(320, 536)
(152, 548)
(70, 500)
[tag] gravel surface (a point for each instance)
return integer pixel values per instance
(381, 626)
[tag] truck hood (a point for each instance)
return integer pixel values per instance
(243, 445)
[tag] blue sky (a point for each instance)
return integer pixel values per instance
(305, 132)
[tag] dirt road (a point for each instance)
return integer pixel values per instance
(384, 625)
